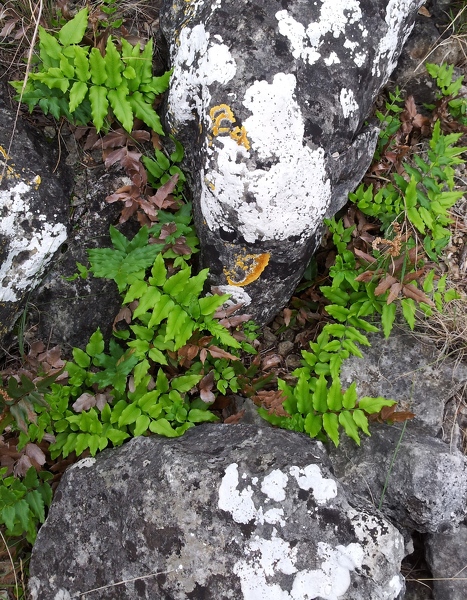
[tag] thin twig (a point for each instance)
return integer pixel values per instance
(110, 585)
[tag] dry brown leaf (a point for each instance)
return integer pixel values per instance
(216, 352)
(366, 276)
(364, 256)
(22, 466)
(164, 191)
(272, 401)
(412, 292)
(84, 402)
(124, 314)
(287, 314)
(385, 284)
(270, 361)
(205, 388)
(424, 11)
(394, 292)
(234, 321)
(222, 313)
(34, 452)
(236, 418)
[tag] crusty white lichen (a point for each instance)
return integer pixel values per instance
(28, 251)
(389, 45)
(308, 42)
(287, 199)
(263, 558)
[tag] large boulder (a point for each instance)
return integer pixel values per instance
(411, 370)
(270, 99)
(419, 482)
(224, 512)
(34, 204)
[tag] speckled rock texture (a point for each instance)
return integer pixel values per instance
(447, 556)
(410, 370)
(269, 99)
(225, 512)
(34, 202)
(69, 312)
(422, 481)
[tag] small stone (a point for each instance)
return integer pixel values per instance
(285, 348)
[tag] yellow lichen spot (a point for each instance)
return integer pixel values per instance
(37, 181)
(7, 169)
(221, 113)
(247, 268)
(239, 135)
(4, 153)
(218, 114)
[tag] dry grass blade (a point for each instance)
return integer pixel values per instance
(12, 564)
(448, 330)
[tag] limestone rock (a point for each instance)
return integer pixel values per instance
(269, 99)
(223, 512)
(68, 312)
(34, 204)
(422, 482)
(447, 556)
(408, 370)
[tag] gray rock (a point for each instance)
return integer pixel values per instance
(223, 512)
(423, 484)
(34, 205)
(70, 311)
(269, 99)
(447, 556)
(408, 370)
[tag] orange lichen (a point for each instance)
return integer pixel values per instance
(249, 265)
(221, 113)
(218, 114)
(239, 135)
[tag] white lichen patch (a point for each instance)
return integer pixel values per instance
(310, 478)
(265, 557)
(307, 42)
(332, 579)
(210, 61)
(288, 199)
(382, 542)
(239, 504)
(84, 463)
(396, 36)
(237, 294)
(348, 102)
(274, 484)
(28, 252)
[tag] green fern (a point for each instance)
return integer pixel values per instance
(78, 83)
